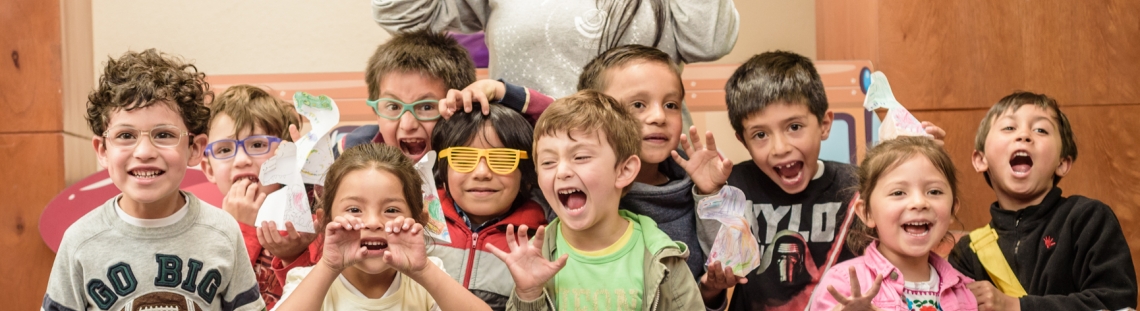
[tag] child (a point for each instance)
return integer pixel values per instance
(407, 77)
(486, 179)
(152, 246)
(1058, 253)
(778, 108)
(246, 125)
(908, 196)
(374, 255)
(586, 147)
(646, 81)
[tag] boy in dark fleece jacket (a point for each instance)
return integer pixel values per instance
(1068, 253)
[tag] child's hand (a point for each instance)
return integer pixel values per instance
(716, 280)
(406, 251)
(528, 267)
(287, 246)
(484, 91)
(342, 243)
(935, 132)
(856, 301)
(991, 299)
(708, 169)
(243, 201)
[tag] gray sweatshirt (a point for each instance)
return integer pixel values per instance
(196, 263)
(543, 44)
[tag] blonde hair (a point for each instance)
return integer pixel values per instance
(591, 111)
(885, 157)
(250, 106)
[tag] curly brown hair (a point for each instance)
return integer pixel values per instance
(140, 79)
(591, 111)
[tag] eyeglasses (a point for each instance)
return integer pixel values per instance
(253, 145)
(162, 136)
(502, 161)
(393, 109)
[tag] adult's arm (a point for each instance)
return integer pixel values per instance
(465, 16)
(704, 30)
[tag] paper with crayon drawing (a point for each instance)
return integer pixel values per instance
(295, 164)
(436, 225)
(897, 121)
(734, 246)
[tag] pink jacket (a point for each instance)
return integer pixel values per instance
(953, 294)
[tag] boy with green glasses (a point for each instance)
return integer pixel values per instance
(409, 75)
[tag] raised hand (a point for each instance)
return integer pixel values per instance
(708, 169)
(482, 91)
(406, 251)
(528, 267)
(858, 300)
(243, 201)
(287, 246)
(342, 243)
(935, 132)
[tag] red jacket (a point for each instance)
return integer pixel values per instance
(467, 259)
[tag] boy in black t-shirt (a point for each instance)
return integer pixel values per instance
(778, 108)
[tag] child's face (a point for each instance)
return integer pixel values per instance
(147, 173)
(653, 93)
(1023, 153)
(910, 208)
(481, 193)
(225, 173)
(582, 178)
(375, 197)
(412, 136)
(784, 140)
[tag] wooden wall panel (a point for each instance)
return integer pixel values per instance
(30, 66)
(33, 171)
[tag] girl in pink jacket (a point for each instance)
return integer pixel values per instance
(908, 200)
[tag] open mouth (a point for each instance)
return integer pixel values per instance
(146, 173)
(249, 177)
(374, 244)
(413, 146)
(790, 172)
(572, 199)
(917, 228)
(1020, 162)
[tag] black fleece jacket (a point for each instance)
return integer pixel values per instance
(1068, 253)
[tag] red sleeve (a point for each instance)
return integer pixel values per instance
(536, 104)
(252, 246)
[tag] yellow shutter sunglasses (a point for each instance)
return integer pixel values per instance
(502, 161)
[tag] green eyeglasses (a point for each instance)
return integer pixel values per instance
(393, 109)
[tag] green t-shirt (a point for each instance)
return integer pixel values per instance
(607, 279)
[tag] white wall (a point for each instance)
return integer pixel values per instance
(293, 36)
(241, 37)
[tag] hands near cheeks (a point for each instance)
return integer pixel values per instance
(405, 252)
(528, 266)
(483, 91)
(708, 169)
(858, 300)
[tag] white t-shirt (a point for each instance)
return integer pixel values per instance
(343, 295)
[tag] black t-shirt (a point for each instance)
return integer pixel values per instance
(799, 234)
